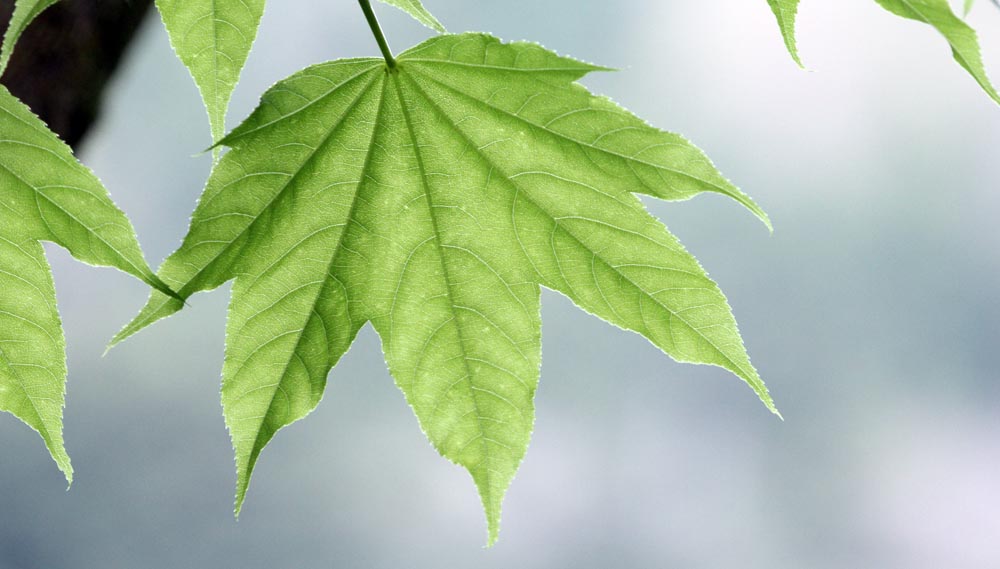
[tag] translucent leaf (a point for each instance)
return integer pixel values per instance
(434, 200)
(46, 195)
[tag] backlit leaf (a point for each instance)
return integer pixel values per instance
(434, 200)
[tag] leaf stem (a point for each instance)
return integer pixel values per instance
(366, 7)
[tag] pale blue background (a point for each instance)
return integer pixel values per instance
(873, 312)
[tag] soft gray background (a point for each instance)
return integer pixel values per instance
(873, 312)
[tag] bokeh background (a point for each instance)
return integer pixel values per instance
(873, 312)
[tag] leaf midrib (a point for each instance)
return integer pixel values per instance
(714, 186)
(186, 289)
(138, 271)
(319, 290)
(487, 458)
(189, 288)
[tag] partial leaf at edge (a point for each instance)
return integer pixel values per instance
(433, 201)
(785, 11)
(24, 12)
(46, 195)
(961, 37)
(213, 38)
(415, 9)
(970, 3)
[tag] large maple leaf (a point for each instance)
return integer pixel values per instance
(433, 198)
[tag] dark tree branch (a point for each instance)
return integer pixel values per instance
(65, 58)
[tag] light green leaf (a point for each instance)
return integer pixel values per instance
(419, 13)
(24, 12)
(785, 11)
(46, 195)
(962, 38)
(434, 200)
(213, 39)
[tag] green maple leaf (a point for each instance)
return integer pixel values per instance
(434, 199)
(46, 195)
(936, 13)
(24, 12)
(212, 38)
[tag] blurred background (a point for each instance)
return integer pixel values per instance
(873, 313)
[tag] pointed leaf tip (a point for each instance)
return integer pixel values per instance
(224, 30)
(751, 205)
(963, 39)
(786, 11)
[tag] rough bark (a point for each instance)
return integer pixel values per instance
(66, 57)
